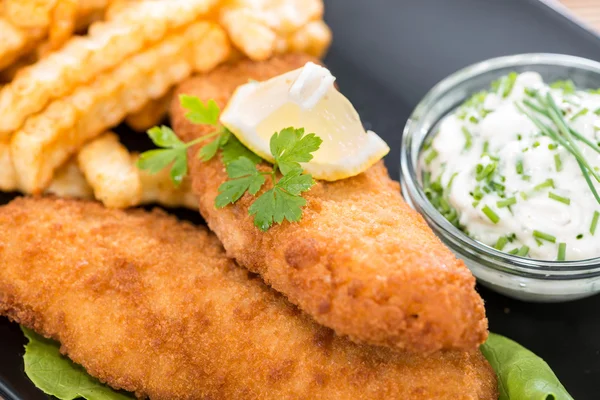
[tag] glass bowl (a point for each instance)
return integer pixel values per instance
(517, 277)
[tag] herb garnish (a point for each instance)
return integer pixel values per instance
(289, 148)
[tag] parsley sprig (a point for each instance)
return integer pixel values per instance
(289, 148)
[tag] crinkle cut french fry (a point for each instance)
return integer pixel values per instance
(48, 139)
(62, 23)
(107, 166)
(118, 6)
(12, 42)
(8, 177)
(151, 114)
(80, 60)
(29, 14)
(69, 182)
(209, 52)
(254, 27)
(118, 183)
(314, 38)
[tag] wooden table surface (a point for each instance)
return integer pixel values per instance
(587, 10)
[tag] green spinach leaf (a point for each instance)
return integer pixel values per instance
(58, 376)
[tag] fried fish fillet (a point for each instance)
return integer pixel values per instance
(360, 261)
(152, 305)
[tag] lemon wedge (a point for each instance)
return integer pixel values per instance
(304, 98)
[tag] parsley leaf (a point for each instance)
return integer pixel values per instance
(198, 112)
(283, 201)
(234, 149)
(164, 136)
(291, 147)
(245, 177)
(209, 150)
(174, 152)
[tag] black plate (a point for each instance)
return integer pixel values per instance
(386, 55)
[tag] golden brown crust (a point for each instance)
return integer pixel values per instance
(152, 305)
(361, 261)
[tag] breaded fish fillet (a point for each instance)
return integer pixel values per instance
(152, 305)
(360, 261)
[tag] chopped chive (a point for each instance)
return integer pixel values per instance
(562, 199)
(511, 237)
(475, 204)
(486, 146)
(449, 185)
(557, 162)
(581, 112)
(597, 112)
(530, 92)
(487, 189)
(520, 167)
(546, 184)
(523, 251)
(498, 186)
(539, 242)
(567, 86)
(544, 236)
(509, 84)
(519, 136)
(562, 250)
(526, 178)
(491, 214)
(523, 195)
(431, 156)
(468, 138)
(594, 222)
(514, 251)
(502, 241)
(552, 146)
(427, 144)
(474, 119)
(486, 171)
(477, 194)
(580, 236)
(536, 144)
(508, 202)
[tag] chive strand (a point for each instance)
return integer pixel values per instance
(491, 214)
(594, 222)
(562, 250)
(544, 236)
(559, 198)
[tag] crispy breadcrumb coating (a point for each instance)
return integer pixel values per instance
(360, 261)
(152, 305)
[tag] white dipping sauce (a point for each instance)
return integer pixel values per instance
(513, 140)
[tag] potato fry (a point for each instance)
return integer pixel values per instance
(70, 182)
(12, 44)
(313, 38)
(117, 6)
(48, 139)
(9, 73)
(29, 14)
(107, 166)
(62, 23)
(8, 176)
(255, 26)
(107, 45)
(151, 114)
(118, 183)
